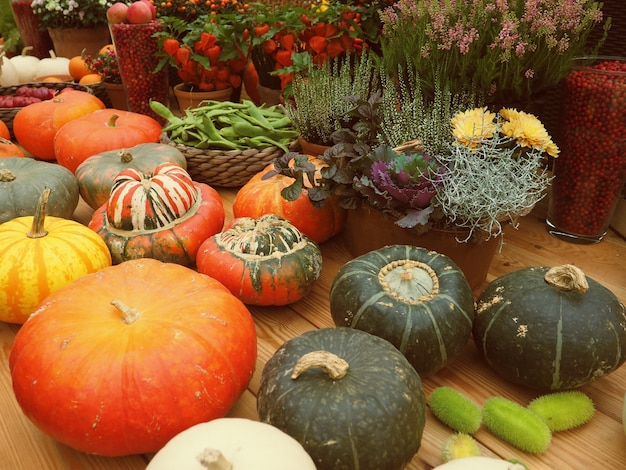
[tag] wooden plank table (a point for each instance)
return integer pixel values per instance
(600, 444)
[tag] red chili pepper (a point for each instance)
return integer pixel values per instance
(170, 46)
(335, 47)
(206, 41)
(222, 74)
(287, 41)
(183, 55)
(237, 65)
(284, 58)
(318, 44)
(261, 30)
(269, 46)
(234, 80)
(213, 53)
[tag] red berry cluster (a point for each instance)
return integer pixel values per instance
(26, 95)
(136, 50)
(591, 169)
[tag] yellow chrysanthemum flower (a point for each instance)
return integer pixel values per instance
(474, 126)
(527, 130)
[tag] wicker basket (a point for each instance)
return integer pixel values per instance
(7, 114)
(226, 168)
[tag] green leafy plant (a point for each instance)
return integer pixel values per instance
(70, 13)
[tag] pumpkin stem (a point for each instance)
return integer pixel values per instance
(125, 156)
(6, 175)
(333, 365)
(567, 277)
(129, 315)
(37, 229)
(112, 120)
(213, 459)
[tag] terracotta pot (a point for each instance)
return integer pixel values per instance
(117, 95)
(368, 229)
(192, 99)
(71, 42)
(311, 148)
(269, 96)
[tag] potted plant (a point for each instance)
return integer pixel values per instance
(465, 175)
(209, 54)
(74, 26)
(317, 106)
(105, 64)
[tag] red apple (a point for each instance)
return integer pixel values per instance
(117, 13)
(152, 8)
(139, 13)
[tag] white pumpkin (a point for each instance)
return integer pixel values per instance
(479, 463)
(53, 65)
(243, 443)
(25, 65)
(8, 74)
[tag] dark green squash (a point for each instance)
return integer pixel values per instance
(416, 299)
(350, 398)
(23, 180)
(550, 328)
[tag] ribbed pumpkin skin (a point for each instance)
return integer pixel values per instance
(103, 385)
(71, 148)
(371, 419)
(263, 196)
(167, 222)
(32, 268)
(264, 261)
(96, 174)
(22, 180)
(533, 334)
(430, 333)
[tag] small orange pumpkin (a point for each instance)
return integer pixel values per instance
(9, 149)
(108, 129)
(4, 131)
(36, 125)
(261, 196)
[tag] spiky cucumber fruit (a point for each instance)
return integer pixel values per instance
(455, 410)
(563, 410)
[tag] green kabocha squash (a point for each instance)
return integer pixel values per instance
(23, 180)
(418, 300)
(550, 328)
(350, 398)
(96, 174)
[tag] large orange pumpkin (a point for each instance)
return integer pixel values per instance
(36, 125)
(121, 361)
(100, 131)
(9, 149)
(5, 133)
(261, 196)
(39, 255)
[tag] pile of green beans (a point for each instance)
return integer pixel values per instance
(228, 125)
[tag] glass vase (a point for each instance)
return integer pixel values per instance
(136, 50)
(591, 169)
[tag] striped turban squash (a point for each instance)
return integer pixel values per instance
(163, 215)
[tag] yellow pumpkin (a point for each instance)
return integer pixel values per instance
(38, 255)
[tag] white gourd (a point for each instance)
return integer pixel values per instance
(232, 444)
(53, 65)
(8, 74)
(25, 65)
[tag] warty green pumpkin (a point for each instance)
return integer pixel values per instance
(550, 329)
(22, 180)
(418, 300)
(350, 398)
(264, 261)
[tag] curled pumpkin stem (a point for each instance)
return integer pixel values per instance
(567, 277)
(333, 365)
(37, 230)
(129, 315)
(213, 459)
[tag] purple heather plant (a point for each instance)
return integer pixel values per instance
(504, 49)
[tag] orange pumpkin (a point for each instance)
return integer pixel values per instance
(107, 129)
(36, 125)
(261, 196)
(121, 361)
(9, 149)
(5, 133)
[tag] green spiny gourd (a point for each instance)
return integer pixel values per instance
(455, 410)
(458, 446)
(516, 425)
(563, 410)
